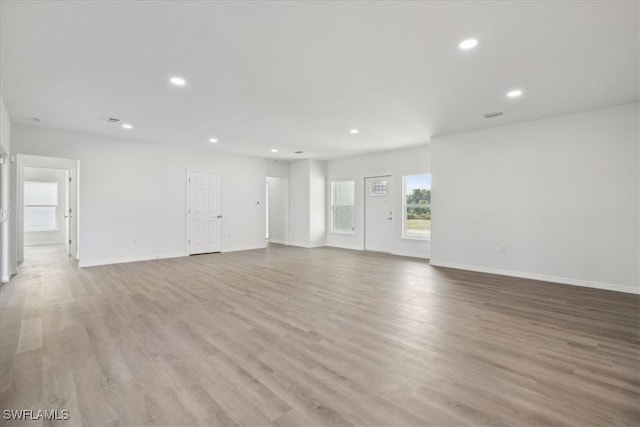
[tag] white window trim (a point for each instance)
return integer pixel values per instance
(348, 233)
(404, 211)
(38, 230)
(333, 209)
(56, 213)
(421, 239)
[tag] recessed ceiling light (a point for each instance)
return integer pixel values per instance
(178, 81)
(514, 93)
(213, 140)
(127, 126)
(468, 44)
(274, 150)
(354, 131)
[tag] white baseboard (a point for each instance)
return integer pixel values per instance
(411, 254)
(540, 277)
(5, 279)
(398, 253)
(279, 242)
(94, 263)
(306, 246)
(353, 248)
(244, 248)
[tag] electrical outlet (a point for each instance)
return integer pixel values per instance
(135, 240)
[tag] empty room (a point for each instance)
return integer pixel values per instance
(320, 213)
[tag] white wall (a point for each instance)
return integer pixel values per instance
(307, 182)
(397, 163)
(317, 203)
(278, 169)
(278, 209)
(561, 194)
(53, 237)
(133, 194)
(299, 203)
(6, 264)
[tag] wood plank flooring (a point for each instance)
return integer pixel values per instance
(303, 337)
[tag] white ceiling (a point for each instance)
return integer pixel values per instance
(298, 76)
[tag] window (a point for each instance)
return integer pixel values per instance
(343, 206)
(379, 188)
(40, 206)
(417, 206)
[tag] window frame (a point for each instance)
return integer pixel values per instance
(333, 208)
(404, 209)
(56, 212)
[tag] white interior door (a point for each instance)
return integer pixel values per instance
(71, 213)
(266, 210)
(204, 212)
(378, 213)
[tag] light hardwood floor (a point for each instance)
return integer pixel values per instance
(289, 336)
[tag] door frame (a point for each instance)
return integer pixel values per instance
(5, 202)
(187, 244)
(287, 214)
(71, 165)
(364, 203)
(267, 217)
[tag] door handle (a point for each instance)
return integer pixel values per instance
(219, 216)
(389, 219)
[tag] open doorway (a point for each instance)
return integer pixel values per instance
(266, 210)
(277, 210)
(47, 206)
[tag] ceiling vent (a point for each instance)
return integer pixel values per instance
(112, 120)
(492, 115)
(298, 152)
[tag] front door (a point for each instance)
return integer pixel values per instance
(378, 213)
(204, 212)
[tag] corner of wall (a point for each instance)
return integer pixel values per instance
(7, 257)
